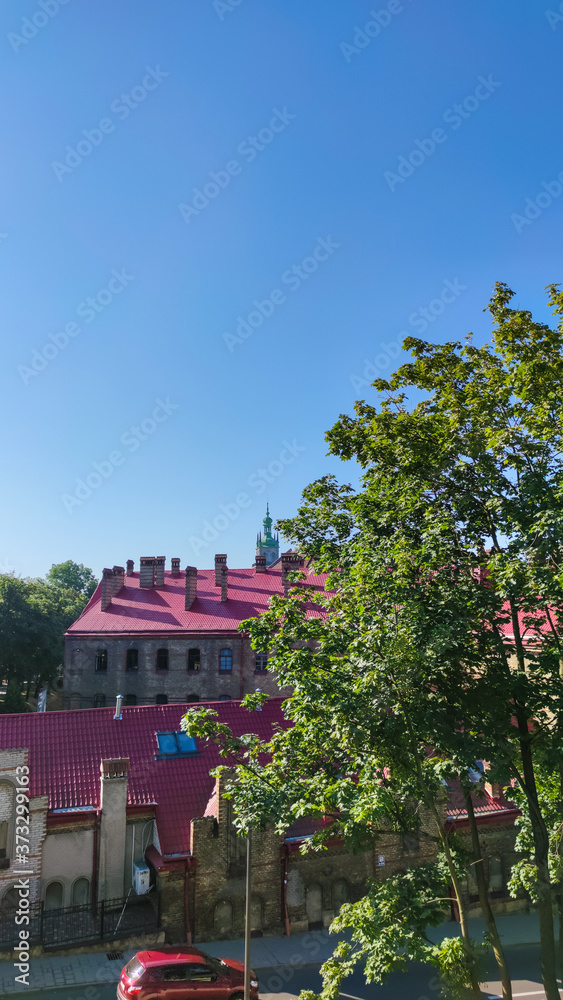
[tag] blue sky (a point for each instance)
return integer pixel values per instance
(134, 423)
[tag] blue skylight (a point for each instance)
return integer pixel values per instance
(176, 744)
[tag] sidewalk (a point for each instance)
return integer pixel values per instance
(280, 953)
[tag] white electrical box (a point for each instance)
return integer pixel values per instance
(141, 880)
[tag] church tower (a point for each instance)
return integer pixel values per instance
(267, 544)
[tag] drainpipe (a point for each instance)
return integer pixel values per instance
(189, 934)
(241, 667)
(284, 891)
(95, 861)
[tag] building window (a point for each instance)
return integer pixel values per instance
(130, 699)
(176, 744)
(224, 697)
(6, 822)
(496, 878)
(99, 700)
(101, 659)
(223, 918)
(261, 663)
(226, 660)
(81, 892)
(54, 896)
(192, 697)
(162, 659)
(193, 659)
(161, 699)
(132, 659)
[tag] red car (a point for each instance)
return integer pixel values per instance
(183, 974)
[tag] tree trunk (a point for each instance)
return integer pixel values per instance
(484, 899)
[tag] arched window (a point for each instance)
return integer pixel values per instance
(256, 915)
(314, 906)
(496, 877)
(192, 697)
(99, 700)
(81, 892)
(132, 659)
(194, 659)
(226, 660)
(223, 918)
(101, 659)
(130, 699)
(261, 663)
(340, 893)
(54, 896)
(162, 659)
(9, 904)
(161, 699)
(6, 822)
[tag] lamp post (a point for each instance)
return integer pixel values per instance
(247, 920)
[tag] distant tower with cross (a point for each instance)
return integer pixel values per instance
(268, 544)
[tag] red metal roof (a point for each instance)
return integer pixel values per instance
(161, 609)
(65, 750)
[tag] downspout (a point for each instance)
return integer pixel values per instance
(95, 861)
(241, 667)
(189, 934)
(284, 891)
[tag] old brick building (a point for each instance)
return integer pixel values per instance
(169, 635)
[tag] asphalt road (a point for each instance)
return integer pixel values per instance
(418, 984)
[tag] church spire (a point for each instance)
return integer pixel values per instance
(267, 543)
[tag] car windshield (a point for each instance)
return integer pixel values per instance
(217, 965)
(134, 969)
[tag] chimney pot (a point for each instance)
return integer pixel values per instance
(191, 586)
(118, 704)
(115, 767)
(118, 578)
(220, 562)
(146, 575)
(160, 563)
(261, 564)
(130, 567)
(107, 588)
(175, 567)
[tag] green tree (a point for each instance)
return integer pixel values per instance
(447, 566)
(72, 576)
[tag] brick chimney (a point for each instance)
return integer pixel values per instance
(220, 561)
(159, 571)
(130, 567)
(260, 564)
(107, 588)
(224, 584)
(146, 575)
(191, 586)
(175, 567)
(118, 578)
(290, 561)
(113, 826)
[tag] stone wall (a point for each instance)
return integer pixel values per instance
(86, 687)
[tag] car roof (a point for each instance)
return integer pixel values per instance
(170, 957)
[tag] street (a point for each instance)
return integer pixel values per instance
(419, 983)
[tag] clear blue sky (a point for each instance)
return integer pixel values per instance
(179, 87)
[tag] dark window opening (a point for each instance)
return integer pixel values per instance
(101, 659)
(261, 662)
(132, 659)
(192, 697)
(161, 699)
(176, 744)
(226, 660)
(99, 701)
(162, 659)
(224, 697)
(130, 699)
(194, 659)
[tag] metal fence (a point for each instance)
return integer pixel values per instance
(110, 919)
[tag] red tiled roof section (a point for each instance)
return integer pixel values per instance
(483, 805)
(161, 609)
(65, 750)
